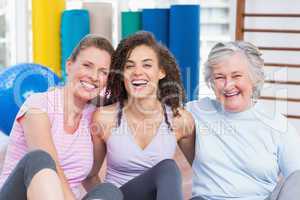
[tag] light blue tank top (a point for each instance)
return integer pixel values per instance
(126, 159)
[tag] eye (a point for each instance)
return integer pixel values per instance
(86, 65)
(237, 76)
(219, 77)
(128, 66)
(105, 73)
(147, 65)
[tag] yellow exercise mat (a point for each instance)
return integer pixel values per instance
(46, 18)
(101, 17)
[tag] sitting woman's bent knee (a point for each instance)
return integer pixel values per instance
(105, 191)
(295, 176)
(168, 166)
(168, 163)
(36, 161)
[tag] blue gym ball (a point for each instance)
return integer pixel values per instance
(16, 84)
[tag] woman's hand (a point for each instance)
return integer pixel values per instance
(184, 128)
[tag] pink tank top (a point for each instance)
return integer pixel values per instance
(75, 151)
(125, 158)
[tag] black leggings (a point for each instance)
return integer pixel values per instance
(161, 182)
(15, 187)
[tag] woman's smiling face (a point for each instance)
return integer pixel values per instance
(232, 82)
(142, 72)
(88, 73)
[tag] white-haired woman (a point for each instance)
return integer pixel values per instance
(242, 151)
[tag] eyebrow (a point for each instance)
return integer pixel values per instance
(91, 63)
(103, 69)
(129, 61)
(215, 74)
(147, 59)
(236, 72)
(144, 60)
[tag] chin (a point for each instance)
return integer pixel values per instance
(235, 108)
(84, 96)
(140, 94)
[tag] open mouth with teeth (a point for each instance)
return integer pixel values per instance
(139, 83)
(88, 86)
(231, 94)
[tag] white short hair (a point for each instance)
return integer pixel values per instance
(252, 54)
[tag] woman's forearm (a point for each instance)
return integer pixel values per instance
(90, 182)
(68, 194)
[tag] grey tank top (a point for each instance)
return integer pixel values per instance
(126, 159)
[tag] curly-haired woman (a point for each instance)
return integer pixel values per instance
(140, 130)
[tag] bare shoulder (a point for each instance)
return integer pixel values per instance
(184, 118)
(105, 113)
(104, 119)
(183, 124)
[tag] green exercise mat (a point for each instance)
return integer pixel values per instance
(131, 23)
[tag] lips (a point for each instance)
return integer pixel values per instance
(139, 83)
(231, 94)
(88, 86)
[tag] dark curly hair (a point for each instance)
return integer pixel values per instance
(170, 89)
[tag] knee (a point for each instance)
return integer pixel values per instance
(295, 176)
(290, 188)
(168, 164)
(35, 161)
(169, 167)
(106, 191)
(109, 187)
(39, 157)
(37, 154)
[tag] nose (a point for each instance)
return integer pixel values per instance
(228, 84)
(138, 70)
(95, 74)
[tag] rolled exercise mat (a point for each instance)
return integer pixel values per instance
(184, 44)
(46, 19)
(157, 22)
(101, 18)
(75, 24)
(131, 23)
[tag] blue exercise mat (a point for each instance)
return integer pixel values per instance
(75, 24)
(17, 83)
(185, 45)
(157, 22)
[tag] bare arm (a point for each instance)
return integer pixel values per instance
(98, 132)
(184, 127)
(37, 128)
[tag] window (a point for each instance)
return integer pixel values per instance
(3, 34)
(214, 27)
